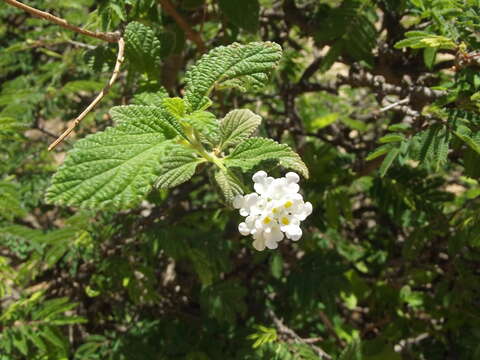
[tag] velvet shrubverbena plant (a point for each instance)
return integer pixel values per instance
(273, 211)
(159, 141)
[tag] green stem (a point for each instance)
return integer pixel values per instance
(195, 144)
(200, 149)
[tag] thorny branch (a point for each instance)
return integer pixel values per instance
(378, 83)
(283, 329)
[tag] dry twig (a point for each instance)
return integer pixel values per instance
(395, 104)
(116, 71)
(106, 36)
(282, 328)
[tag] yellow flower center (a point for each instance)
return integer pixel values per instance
(288, 204)
(274, 210)
(285, 221)
(267, 220)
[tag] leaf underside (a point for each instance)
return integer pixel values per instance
(237, 126)
(229, 185)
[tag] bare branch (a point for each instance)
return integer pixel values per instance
(395, 104)
(326, 321)
(379, 84)
(189, 32)
(116, 71)
(282, 328)
(106, 36)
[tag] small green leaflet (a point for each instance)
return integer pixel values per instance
(422, 39)
(175, 106)
(115, 168)
(205, 125)
(468, 137)
(236, 65)
(352, 352)
(237, 126)
(224, 300)
(391, 138)
(382, 150)
(253, 151)
(178, 165)
(388, 161)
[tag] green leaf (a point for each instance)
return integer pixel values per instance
(10, 204)
(236, 65)
(35, 338)
(391, 138)
(420, 40)
(126, 114)
(441, 147)
(175, 106)
(382, 150)
(429, 57)
(354, 124)
(237, 126)
(20, 342)
(388, 161)
(224, 300)
(229, 184)
(348, 29)
(206, 125)
(352, 352)
(471, 159)
(244, 15)
(82, 85)
(202, 265)
(178, 165)
(142, 49)
(53, 307)
(465, 134)
(68, 320)
(253, 151)
(53, 337)
(332, 55)
(324, 121)
(117, 167)
(150, 98)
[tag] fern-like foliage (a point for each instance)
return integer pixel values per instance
(349, 30)
(33, 326)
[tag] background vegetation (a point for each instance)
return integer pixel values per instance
(380, 98)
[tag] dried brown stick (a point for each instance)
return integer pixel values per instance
(106, 36)
(116, 71)
(282, 328)
(189, 32)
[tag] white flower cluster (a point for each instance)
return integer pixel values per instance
(275, 209)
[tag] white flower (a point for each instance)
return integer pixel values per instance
(274, 211)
